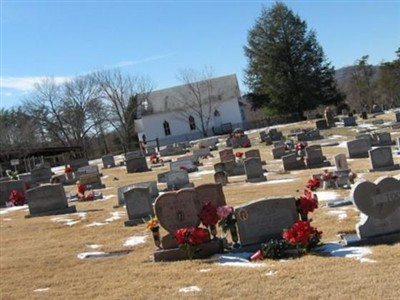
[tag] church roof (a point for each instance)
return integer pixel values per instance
(170, 99)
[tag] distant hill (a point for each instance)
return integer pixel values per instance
(343, 75)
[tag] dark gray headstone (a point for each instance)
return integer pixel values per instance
(254, 170)
(292, 162)
(136, 164)
(138, 205)
(108, 161)
(277, 153)
(262, 220)
(358, 148)
(211, 192)
(349, 121)
(177, 180)
(41, 174)
(321, 124)
(382, 159)
(77, 163)
(48, 199)
(221, 178)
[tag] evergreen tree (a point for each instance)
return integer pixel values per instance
(389, 80)
(287, 68)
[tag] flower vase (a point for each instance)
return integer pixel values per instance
(303, 216)
(156, 236)
(234, 235)
(213, 230)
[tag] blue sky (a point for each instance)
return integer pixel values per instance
(158, 38)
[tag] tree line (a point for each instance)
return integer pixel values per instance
(287, 72)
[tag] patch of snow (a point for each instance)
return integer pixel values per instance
(204, 270)
(337, 250)
(96, 224)
(42, 290)
(340, 214)
(237, 260)
(93, 246)
(200, 173)
(7, 219)
(135, 240)
(105, 198)
(105, 177)
(271, 273)
(327, 195)
(190, 289)
(5, 210)
(283, 180)
(342, 145)
(86, 255)
(116, 215)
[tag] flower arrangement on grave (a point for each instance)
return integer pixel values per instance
(154, 225)
(300, 146)
(68, 169)
(312, 184)
(305, 204)
(304, 236)
(189, 239)
(298, 240)
(154, 159)
(16, 198)
(87, 196)
(228, 222)
(326, 176)
(209, 217)
(239, 154)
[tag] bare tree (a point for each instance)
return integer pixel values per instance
(124, 95)
(198, 98)
(362, 88)
(67, 113)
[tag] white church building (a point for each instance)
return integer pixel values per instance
(185, 112)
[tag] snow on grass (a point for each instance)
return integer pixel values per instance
(200, 173)
(5, 210)
(105, 198)
(135, 240)
(204, 270)
(337, 250)
(236, 260)
(327, 195)
(190, 289)
(42, 290)
(116, 215)
(7, 219)
(271, 273)
(93, 246)
(340, 214)
(96, 224)
(86, 255)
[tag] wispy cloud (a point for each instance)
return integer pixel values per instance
(141, 61)
(28, 83)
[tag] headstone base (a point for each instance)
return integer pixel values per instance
(68, 210)
(390, 168)
(206, 250)
(134, 222)
(259, 179)
(355, 240)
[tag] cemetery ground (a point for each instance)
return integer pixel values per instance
(39, 256)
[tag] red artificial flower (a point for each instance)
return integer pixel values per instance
(306, 203)
(27, 185)
(16, 198)
(191, 236)
(239, 154)
(302, 234)
(300, 146)
(81, 189)
(208, 215)
(313, 184)
(246, 144)
(68, 169)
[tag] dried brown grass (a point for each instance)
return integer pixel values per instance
(40, 253)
